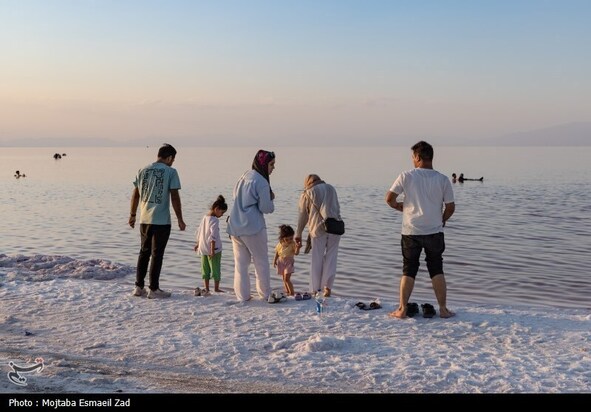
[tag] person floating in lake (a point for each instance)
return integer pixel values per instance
(18, 174)
(57, 156)
(461, 179)
(454, 178)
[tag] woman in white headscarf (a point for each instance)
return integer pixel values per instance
(318, 202)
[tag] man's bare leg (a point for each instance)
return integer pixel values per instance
(407, 284)
(440, 289)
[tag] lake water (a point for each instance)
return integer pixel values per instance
(522, 237)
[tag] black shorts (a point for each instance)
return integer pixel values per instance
(412, 245)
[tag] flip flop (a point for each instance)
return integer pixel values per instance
(428, 310)
(306, 296)
(298, 296)
(372, 306)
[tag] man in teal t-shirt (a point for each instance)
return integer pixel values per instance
(155, 186)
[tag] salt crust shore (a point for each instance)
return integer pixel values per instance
(94, 337)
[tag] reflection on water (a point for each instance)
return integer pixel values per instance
(521, 237)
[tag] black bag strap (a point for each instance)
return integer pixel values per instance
(314, 204)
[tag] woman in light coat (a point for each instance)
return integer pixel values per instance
(318, 202)
(253, 198)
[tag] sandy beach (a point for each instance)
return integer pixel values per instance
(94, 337)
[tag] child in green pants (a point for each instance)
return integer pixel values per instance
(209, 246)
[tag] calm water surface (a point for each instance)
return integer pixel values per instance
(521, 237)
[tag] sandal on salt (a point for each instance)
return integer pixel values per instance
(412, 309)
(277, 297)
(428, 310)
(374, 305)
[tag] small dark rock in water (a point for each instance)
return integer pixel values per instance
(27, 333)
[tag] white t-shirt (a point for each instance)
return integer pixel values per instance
(209, 230)
(425, 192)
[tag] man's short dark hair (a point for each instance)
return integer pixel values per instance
(424, 150)
(166, 150)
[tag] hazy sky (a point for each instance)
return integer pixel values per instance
(298, 71)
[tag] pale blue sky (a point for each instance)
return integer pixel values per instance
(298, 71)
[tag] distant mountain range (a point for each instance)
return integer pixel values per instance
(62, 142)
(568, 134)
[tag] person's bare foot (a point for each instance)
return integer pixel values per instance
(219, 291)
(446, 313)
(399, 313)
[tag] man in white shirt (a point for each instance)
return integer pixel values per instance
(428, 203)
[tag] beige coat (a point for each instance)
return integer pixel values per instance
(317, 203)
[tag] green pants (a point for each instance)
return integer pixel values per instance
(211, 267)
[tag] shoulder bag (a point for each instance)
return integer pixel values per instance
(331, 225)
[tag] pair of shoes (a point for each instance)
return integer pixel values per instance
(158, 294)
(137, 291)
(372, 306)
(298, 296)
(277, 297)
(412, 309)
(428, 310)
(306, 296)
(201, 292)
(326, 292)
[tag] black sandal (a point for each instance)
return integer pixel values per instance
(372, 306)
(412, 309)
(428, 310)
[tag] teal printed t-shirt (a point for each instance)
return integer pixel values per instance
(154, 183)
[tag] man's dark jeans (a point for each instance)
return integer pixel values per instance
(153, 242)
